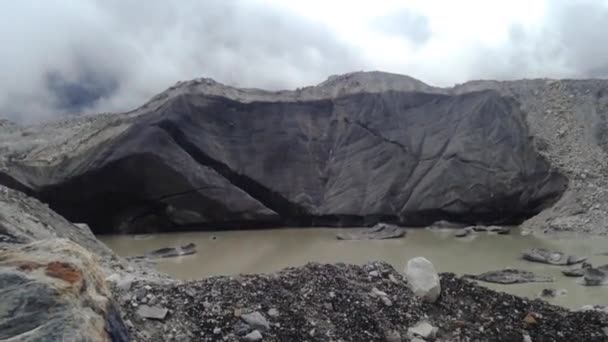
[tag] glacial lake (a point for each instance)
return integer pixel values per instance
(263, 251)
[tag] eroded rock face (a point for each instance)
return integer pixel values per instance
(53, 290)
(24, 219)
(217, 159)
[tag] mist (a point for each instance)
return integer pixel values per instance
(72, 57)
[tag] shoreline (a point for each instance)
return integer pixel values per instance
(323, 302)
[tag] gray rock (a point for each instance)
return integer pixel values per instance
(380, 231)
(574, 272)
(510, 276)
(464, 232)
(240, 328)
(217, 331)
(546, 256)
(152, 312)
(377, 293)
(273, 312)
(596, 276)
(386, 301)
(492, 229)
(393, 336)
(253, 336)
(256, 320)
(423, 330)
(169, 252)
(552, 293)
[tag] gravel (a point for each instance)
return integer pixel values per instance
(322, 302)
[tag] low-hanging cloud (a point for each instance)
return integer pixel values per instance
(67, 56)
(63, 57)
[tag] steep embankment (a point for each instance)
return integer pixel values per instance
(354, 150)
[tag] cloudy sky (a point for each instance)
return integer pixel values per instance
(73, 56)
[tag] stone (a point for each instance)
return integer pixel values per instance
(574, 272)
(510, 276)
(423, 330)
(380, 231)
(377, 293)
(464, 232)
(530, 319)
(273, 312)
(217, 331)
(551, 257)
(169, 252)
(422, 279)
(54, 290)
(152, 312)
(256, 320)
(492, 229)
(392, 336)
(527, 338)
(253, 336)
(596, 276)
(240, 328)
(552, 293)
(386, 301)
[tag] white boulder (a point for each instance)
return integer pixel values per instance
(422, 279)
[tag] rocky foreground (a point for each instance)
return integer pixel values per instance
(58, 283)
(346, 303)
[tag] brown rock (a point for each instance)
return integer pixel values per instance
(530, 319)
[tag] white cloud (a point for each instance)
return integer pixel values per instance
(109, 55)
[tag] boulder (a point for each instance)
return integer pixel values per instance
(510, 276)
(547, 256)
(596, 276)
(422, 279)
(380, 231)
(577, 271)
(53, 290)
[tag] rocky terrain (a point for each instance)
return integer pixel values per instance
(347, 303)
(355, 150)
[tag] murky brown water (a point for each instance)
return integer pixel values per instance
(259, 251)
